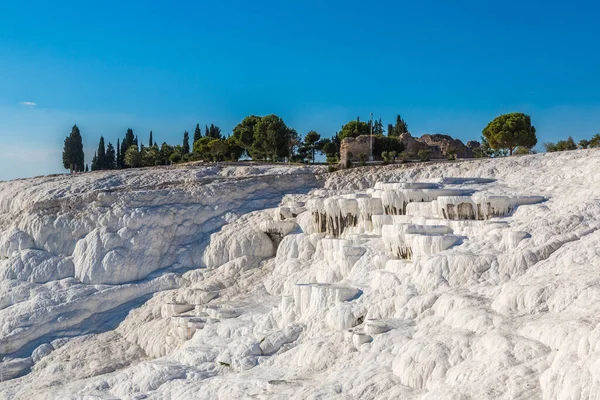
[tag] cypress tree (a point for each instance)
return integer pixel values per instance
(100, 160)
(66, 155)
(401, 126)
(186, 142)
(119, 164)
(214, 132)
(73, 157)
(197, 133)
(127, 142)
(110, 157)
(390, 130)
(78, 156)
(151, 141)
(95, 162)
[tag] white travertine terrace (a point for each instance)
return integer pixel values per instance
(481, 207)
(407, 240)
(282, 282)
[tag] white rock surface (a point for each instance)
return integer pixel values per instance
(505, 304)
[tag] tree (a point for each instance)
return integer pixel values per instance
(165, 153)
(201, 148)
(127, 142)
(214, 132)
(561, 145)
(150, 156)
(119, 159)
(310, 141)
(235, 150)
(398, 129)
(87, 169)
(218, 149)
(244, 131)
(271, 139)
(175, 158)
(330, 152)
(354, 129)
(550, 147)
(110, 157)
(150, 142)
(595, 141)
(386, 143)
(197, 134)
(95, 162)
(73, 157)
(509, 131)
(390, 130)
(401, 126)
(584, 143)
(206, 131)
(133, 158)
(329, 149)
(100, 160)
(565, 145)
(378, 127)
(186, 142)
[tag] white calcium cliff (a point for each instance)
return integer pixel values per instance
(477, 279)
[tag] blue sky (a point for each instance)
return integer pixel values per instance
(447, 67)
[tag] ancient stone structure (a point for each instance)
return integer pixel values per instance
(353, 148)
(438, 145)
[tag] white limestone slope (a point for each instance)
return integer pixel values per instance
(477, 279)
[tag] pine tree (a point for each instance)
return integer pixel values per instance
(206, 131)
(87, 169)
(135, 142)
(310, 141)
(73, 157)
(150, 141)
(186, 142)
(110, 157)
(197, 133)
(100, 154)
(119, 163)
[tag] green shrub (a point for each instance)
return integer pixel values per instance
(406, 156)
(424, 154)
(175, 158)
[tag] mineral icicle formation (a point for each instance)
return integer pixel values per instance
(463, 280)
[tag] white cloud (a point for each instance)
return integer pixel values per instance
(28, 103)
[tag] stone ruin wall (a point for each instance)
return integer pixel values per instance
(438, 145)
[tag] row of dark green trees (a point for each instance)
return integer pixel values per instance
(268, 138)
(259, 138)
(569, 144)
